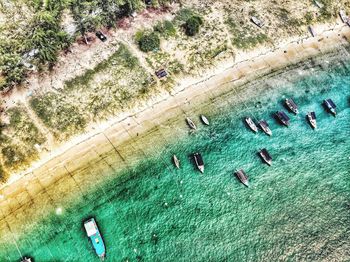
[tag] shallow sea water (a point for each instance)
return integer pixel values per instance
(295, 210)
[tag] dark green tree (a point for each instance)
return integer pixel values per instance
(193, 25)
(149, 42)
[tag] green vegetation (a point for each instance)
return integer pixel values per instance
(3, 175)
(97, 94)
(165, 29)
(244, 37)
(34, 38)
(149, 42)
(192, 25)
(18, 140)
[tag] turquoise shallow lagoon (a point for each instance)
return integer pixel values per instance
(296, 210)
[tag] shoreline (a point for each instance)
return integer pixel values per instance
(163, 107)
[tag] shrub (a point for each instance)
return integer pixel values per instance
(149, 42)
(3, 175)
(192, 25)
(166, 29)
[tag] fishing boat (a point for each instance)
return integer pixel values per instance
(251, 124)
(265, 156)
(241, 175)
(291, 105)
(205, 120)
(176, 161)
(311, 117)
(257, 21)
(96, 239)
(329, 104)
(191, 123)
(343, 16)
(265, 127)
(283, 118)
(199, 161)
(26, 259)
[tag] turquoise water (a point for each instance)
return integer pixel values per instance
(295, 210)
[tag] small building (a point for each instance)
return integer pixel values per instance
(161, 73)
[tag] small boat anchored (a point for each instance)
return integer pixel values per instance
(343, 16)
(283, 118)
(265, 156)
(205, 120)
(329, 104)
(265, 127)
(176, 161)
(191, 123)
(251, 124)
(242, 176)
(199, 161)
(257, 21)
(292, 106)
(311, 117)
(96, 239)
(26, 259)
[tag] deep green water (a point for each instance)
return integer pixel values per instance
(296, 210)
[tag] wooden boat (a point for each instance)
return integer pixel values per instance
(329, 104)
(265, 127)
(257, 21)
(265, 156)
(241, 175)
(291, 105)
(190, 123)
(343, 16)
(176, 161)
(95, 237)
(199, 161)
(251, 124)
(283, 118)
(311, 117)
(312, 31)
(205, 120)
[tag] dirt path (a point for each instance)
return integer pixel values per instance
(50, 140)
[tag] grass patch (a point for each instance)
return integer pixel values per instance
(19, 139)
(244, 37)
(165, 29)
(111, 86)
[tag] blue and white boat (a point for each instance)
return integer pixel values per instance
(329, 104)
(96, 239)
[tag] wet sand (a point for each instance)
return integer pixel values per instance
(87, 160)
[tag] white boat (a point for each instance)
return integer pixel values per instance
(191, 123)
(242, 176)
(265, 127)
(176, 161)
(265, 156)
(343, 16)
(318, 4)
(199, 161)
(251, 124)
(257, 21)
(292, 106)
(311, 117)
(205, 120)
(26, 259)
(331, 107)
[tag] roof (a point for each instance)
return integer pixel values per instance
(90, 227)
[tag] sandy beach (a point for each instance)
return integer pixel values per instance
(73, 168)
